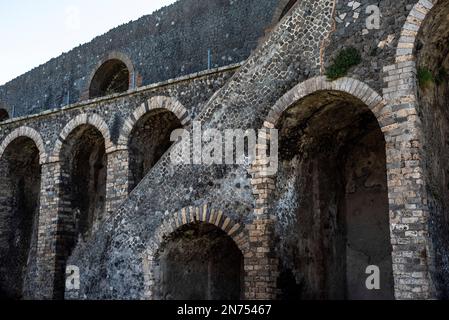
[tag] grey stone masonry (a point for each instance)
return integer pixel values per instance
(145, 209)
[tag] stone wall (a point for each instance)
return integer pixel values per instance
(81, 185)
(354, 185)
(242, 103)
(172, 42)
(432, 57)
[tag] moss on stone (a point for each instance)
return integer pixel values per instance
(345, 60)
(425, 77)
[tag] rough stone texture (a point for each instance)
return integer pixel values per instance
(361, 179)
(432, 54)
(377, 46)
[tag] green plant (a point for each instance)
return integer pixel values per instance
(425, 77)
(345, 60)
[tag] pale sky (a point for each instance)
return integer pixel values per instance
(34, 31)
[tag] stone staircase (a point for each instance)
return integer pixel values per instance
(113, 263)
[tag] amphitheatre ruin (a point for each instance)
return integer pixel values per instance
(357, 92)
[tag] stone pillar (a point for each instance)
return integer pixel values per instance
(50, 205)
(409, 213)
(117, 183)
(261, 262)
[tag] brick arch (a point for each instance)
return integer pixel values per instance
(353, 87)
(134, 78)
(82, 119)
(29, 133)
(410, 30)
(183, 217)
(159, 102)
(262, 176)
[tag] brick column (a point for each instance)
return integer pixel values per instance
(117, 183)
(409, 213)
(261, 262)
(50, 205)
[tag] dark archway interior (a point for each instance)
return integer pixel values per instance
(433, 57)
(84, 167)
(3, 115)
(19, 207)
(84, 160)
(200, 262)
(287, 8)
(332, 200)
(148, 142)
(112, 77)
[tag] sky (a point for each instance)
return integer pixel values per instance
(32, 32)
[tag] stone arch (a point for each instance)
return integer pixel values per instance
(260, 169)
(323, 160)
(80, 157)
(154, 103)
(184, 217)
(82, 119)
(20, 190)
(26, 132)
(350, 86)
(110, 65)
(146, 134)
(410, 30)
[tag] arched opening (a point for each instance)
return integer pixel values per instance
(332, 199)
(432, 52)
(83, 190)
(19, 206)
(149, 140)
(3, 115)
(199, 262)
(112, 77)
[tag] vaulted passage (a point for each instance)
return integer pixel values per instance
(200, 262)
(148, 142)
(332, 200)
(19, 206)
(112, 77)
(84, 161)
(83, 165)
(433, 75)
(3, 115)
